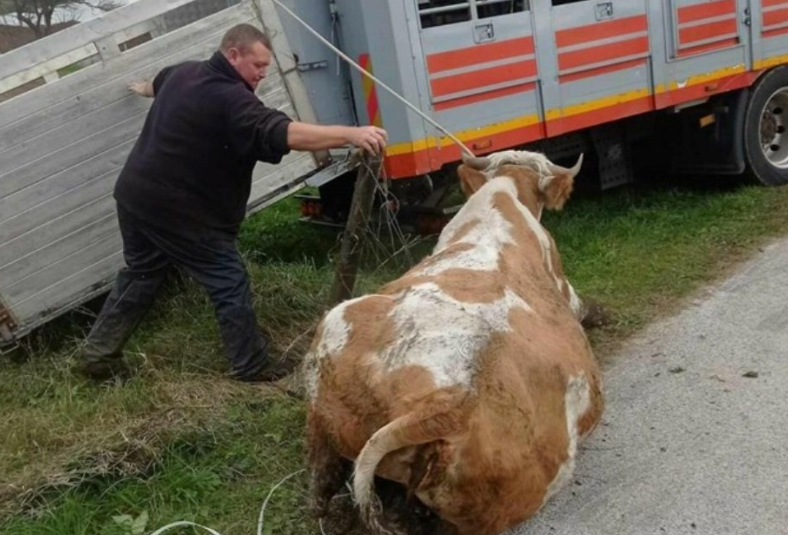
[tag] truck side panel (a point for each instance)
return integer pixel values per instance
(596, 61)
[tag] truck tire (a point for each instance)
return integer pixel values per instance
(766, 129)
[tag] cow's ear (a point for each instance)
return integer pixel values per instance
(558, 190)
(471, 180)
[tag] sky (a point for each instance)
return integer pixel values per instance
(83, 13)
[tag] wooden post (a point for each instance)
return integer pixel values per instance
(353, 237)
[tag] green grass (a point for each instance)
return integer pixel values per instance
(207, 475)
(639, 250)
(181, 442)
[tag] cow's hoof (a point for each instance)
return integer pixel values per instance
(318, 508)
(595, 315)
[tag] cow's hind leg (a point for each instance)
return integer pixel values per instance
(329, 471)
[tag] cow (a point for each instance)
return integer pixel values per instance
(469, 380)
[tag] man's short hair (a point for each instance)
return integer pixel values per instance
(243, 36)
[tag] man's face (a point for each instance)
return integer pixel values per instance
(251, 62)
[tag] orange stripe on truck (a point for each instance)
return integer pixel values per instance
(601, 30)
(706, 11)
(487, 95)
(602, 53)
(482, 78)
(599, 71)
(772, 18)
(774, 33)
(727, 43)
(711, 30)
(464, 57)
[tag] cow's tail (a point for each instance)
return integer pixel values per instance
(439, 416)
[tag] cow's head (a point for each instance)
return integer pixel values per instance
(540, 183)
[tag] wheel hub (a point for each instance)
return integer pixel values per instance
(773, 124)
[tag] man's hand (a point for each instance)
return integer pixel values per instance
(143, 89)
(314, 137)
(370, 138)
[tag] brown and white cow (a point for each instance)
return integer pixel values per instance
(469, 380)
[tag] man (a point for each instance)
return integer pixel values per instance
(182, 196)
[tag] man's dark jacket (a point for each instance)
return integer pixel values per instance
(191, 168)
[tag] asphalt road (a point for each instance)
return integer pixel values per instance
(694, 439)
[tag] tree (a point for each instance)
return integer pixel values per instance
(41, 15)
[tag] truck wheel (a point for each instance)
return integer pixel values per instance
(766, 129)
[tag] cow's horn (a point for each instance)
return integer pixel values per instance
(576, 168)
(475, 162)
(559, 170)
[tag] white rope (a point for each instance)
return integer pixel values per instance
(372, 77)
(182, 524)
(261, 520)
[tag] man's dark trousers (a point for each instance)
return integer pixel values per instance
(211, 258)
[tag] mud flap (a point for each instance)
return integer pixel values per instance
(708, 138)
